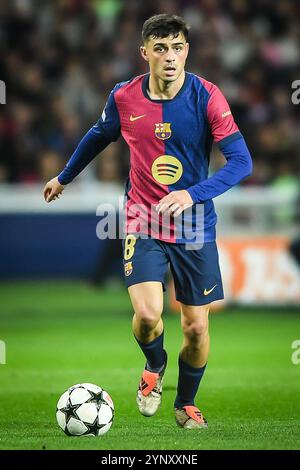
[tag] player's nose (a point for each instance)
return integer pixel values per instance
(170, 58)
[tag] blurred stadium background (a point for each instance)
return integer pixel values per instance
(59, 60)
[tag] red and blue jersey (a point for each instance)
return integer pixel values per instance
(170, 143)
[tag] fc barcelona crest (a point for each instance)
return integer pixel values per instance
(128, 268)
(163, 130)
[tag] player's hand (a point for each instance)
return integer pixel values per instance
(174, 203)
(53, 190)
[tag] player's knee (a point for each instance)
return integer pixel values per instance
(147, 325)
(147, 316)
(196, 330)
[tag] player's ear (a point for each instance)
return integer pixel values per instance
(187, 48)
(144, 53)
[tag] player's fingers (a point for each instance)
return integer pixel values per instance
(164, 203)
(48, 194)
(159, 206)
(56, 195)
(52, 196)
(163, 209)
(177, 212)
(52, 191)
(174, 207)
(47, 190)
(166, 199)
(168, 209)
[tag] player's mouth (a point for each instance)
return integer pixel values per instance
(170, 70)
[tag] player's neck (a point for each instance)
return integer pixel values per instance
(161, 90)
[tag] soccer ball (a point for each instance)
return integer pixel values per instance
(85, 410)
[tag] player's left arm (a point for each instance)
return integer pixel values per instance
(233, 146)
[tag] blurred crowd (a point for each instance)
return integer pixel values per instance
(60, 59)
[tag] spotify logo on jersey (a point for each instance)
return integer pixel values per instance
(166, 169)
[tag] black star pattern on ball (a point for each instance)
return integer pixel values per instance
(70, 411)
(93, 428)
(96, 397)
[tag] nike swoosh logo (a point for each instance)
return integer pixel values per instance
(134, 118)
(207, 292)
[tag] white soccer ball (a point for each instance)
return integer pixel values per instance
(85, 410)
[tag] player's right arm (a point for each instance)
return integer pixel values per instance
(105, 131)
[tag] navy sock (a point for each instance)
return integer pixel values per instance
(154, 353)
(188, 383)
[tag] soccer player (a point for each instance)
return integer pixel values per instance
(169, 119)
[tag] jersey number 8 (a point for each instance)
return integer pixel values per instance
(130, 242)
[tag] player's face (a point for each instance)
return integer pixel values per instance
(166, 56)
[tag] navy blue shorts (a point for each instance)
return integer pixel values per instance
(196, 272)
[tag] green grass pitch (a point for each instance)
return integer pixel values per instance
(59, 334)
